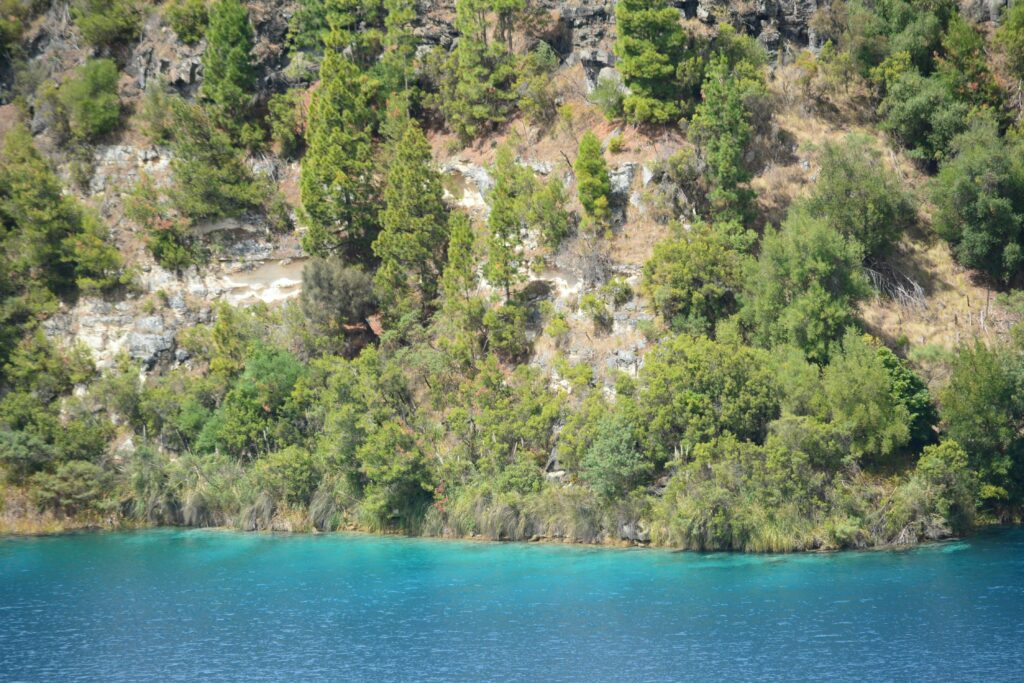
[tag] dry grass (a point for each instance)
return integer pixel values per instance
(957, 307)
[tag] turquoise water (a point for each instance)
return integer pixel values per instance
(207, 605)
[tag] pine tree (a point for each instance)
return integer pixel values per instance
(35, 221)
(507, 12)
(459, 278)
(48, 244)
(723, 126)
(462, 321)
(480, 77)
(339, 196)
(228, 76)
(399, 44)
(511, 185)
(211, 179)
(651, 48)
(593, 185)
(414, 222)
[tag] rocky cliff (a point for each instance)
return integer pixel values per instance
(252, 264)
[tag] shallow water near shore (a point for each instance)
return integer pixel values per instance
(206, 605)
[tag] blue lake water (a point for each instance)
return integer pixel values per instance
(208, 605)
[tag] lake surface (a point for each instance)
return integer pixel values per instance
(207, 605)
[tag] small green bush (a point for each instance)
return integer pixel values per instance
(607, 96)
(155, 113)
(618, 291)
(286, 118)
(90, 99)
(106, 23)
(506, 331)
(76, 487)
(187, 18)
(598, 312)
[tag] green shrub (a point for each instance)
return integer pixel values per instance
(608, 96)
(618, 291)
(979, 199)
(211, 179)
(724, 126)
(692, 389)
(75, 487)
(1010, 37)
(594, 307)
(593, 185)
(651, 46)
(537, 93)
(286, 117)
(90, 99)
(694, 279)
(168, 237)
(398, 482)
(506, 331)
(187, 18)
(803, 287)
(614, 464)
(860, 197)
(156, 113)
(107, 23)
(922, 114)
(22, 454)
(290, 475)
(100, 266)
(335, 295)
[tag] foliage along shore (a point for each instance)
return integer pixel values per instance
(35, 525)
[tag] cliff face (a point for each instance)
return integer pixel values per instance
(252, 264)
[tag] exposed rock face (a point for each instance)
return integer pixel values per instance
(770, 20)
(108, 329)
(982, 11)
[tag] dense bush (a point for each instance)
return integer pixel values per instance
(694, 279)
(859, 197)
(723, 125)
(51, 247)
(693, 389)
(107, 23)
(922, 114)
(229, 80)
(90, 99)
(188, 18)
(287, 121)
(650, 46)
(1010, 37)
(803, 286)
(211, 179)
(335, 295)
(979, 197)
(592, 177)
(982, 411)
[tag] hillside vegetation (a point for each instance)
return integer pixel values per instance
(710, 295)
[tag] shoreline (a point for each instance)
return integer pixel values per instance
(10, 532)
